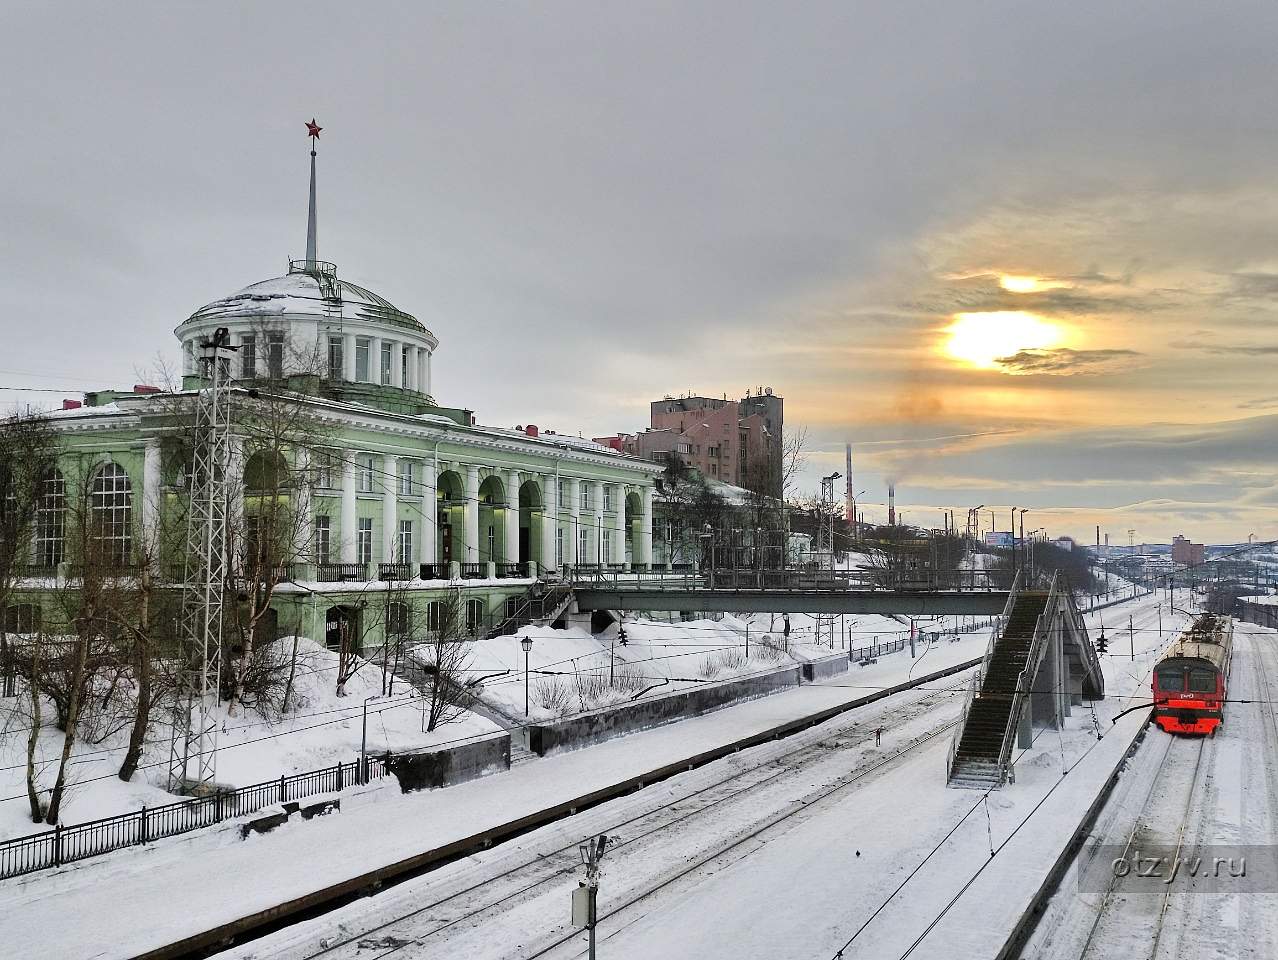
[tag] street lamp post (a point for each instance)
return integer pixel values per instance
(363, 742)
(526, 643)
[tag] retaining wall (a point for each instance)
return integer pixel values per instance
(471, 760)
(599, 725)
(825, 666)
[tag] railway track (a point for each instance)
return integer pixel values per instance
(433, 928)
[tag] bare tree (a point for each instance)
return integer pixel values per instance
(770, 481)
(444, 655)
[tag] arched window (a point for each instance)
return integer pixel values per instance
(265, 472)
(474, 615)
(111, 514)
(22, 618)
(50, 525)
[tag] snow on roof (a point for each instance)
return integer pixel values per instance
(107, 409)
(1264, 600)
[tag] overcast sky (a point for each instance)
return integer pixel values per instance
(1015, 253)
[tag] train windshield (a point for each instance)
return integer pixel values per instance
(1171, 679)
(1202, 681)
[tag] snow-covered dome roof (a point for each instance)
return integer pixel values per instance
(310, 288)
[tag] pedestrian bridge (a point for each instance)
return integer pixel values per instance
(786, 591)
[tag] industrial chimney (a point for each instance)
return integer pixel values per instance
(891, 504)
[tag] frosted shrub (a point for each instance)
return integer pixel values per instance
(592, 687)
(553, 695)
(766, 650)
(628, 677)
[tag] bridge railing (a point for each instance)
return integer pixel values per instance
(789, 579)
(1024, 679)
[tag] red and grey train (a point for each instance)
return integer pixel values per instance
(1190, 682)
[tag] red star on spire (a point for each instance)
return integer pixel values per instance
(313, 129)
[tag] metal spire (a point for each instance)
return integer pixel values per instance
(313, 131)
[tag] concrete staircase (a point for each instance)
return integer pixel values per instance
(977, 758)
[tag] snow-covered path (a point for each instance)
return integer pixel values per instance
(1205, 796)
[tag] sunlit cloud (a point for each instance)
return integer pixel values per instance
(979, 339)
(1022, 284)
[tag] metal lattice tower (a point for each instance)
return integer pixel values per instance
(193, 750)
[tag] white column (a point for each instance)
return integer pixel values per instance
(423, 370)
(573, 524)
(397, 364)
(619, 525)
(511, 526)
(470, 547)
(597, 523)
(375, 360)
(348, 357)
(390, 508)
(151, 499)
(303, 546)
(347, 531)
(430, 513)
(549, 521)
(645, 527)
(411, 352)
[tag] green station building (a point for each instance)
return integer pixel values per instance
(403, 491)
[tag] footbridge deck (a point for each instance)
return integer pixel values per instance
(780, 592)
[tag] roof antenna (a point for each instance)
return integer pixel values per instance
(313, 131)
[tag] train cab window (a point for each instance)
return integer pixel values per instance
(1202, 681)
(1171, 680)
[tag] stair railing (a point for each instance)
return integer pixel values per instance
(1021, 694)
(978, 678)
(957, 736)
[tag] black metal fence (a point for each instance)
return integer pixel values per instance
(878, 649)
(79, 841)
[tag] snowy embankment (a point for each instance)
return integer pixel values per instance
(572, 671)
(319, 729)
(122, 901)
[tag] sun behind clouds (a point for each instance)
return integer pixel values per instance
(979, 339)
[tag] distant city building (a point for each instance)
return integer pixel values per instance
(734, 441)
(1186, 551)
(1064, 543)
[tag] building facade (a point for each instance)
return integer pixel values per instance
(390, 486)
(737, 442)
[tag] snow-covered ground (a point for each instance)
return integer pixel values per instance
(320, 729)
(569, 669)
(1213, 796)
(123, 901)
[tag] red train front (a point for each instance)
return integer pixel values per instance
(1190, 681)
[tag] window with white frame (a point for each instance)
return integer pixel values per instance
(326, 469)
(585, 494)
(50, 520)
(248, 357)
(364, 540)
(385, 367)
(111, 513)
(275, 356)
(608, 496)
(559, 546)
(491, 537)
(397, 619)
(323, 538)
(405, 545)
(366, 471)
(561, 494)
(361, 360)
(434, 615)
(607, 544)
(336, 358)
(405, 478)
(474, 614)
(403, 367)
(582, 546)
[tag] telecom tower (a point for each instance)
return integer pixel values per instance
(193, 749)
